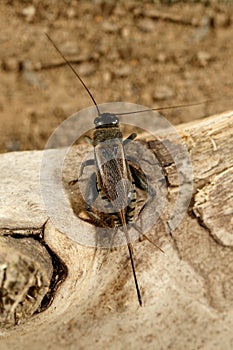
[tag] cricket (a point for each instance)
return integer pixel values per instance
(115, 178)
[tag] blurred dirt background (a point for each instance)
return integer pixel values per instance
(154, 53)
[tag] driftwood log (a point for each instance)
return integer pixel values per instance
(53, 295)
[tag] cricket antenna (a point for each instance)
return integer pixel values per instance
(166, 108)
(74, 71)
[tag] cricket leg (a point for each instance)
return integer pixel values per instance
(91, 192)
(140, 181)
(139, 176)
(129, 138)
(87, 162)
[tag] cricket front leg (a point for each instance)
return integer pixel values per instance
(86, 163)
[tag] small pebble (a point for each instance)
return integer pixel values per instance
(163, 92)
(203, 58)
(123, 71)
(29, 13)
(109, 27)
(86, 69)
(125, 32)
(70, 12)
(162, 57)
(107, 77)
(146, 25)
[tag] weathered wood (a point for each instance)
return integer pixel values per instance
(25, 273)
(187, 291)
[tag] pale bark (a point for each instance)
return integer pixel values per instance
(187, 292)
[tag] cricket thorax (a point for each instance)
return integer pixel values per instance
(105, 133)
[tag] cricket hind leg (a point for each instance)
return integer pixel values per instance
(139, 177)
(94, 216)
(91, 215)
(142, 183)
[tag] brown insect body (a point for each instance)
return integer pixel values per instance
(113, 178)
(113, 174)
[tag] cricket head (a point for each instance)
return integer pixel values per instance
(106, 120)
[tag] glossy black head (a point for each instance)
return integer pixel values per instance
(105, 120)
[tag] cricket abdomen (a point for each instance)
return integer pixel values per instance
(113, 213)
